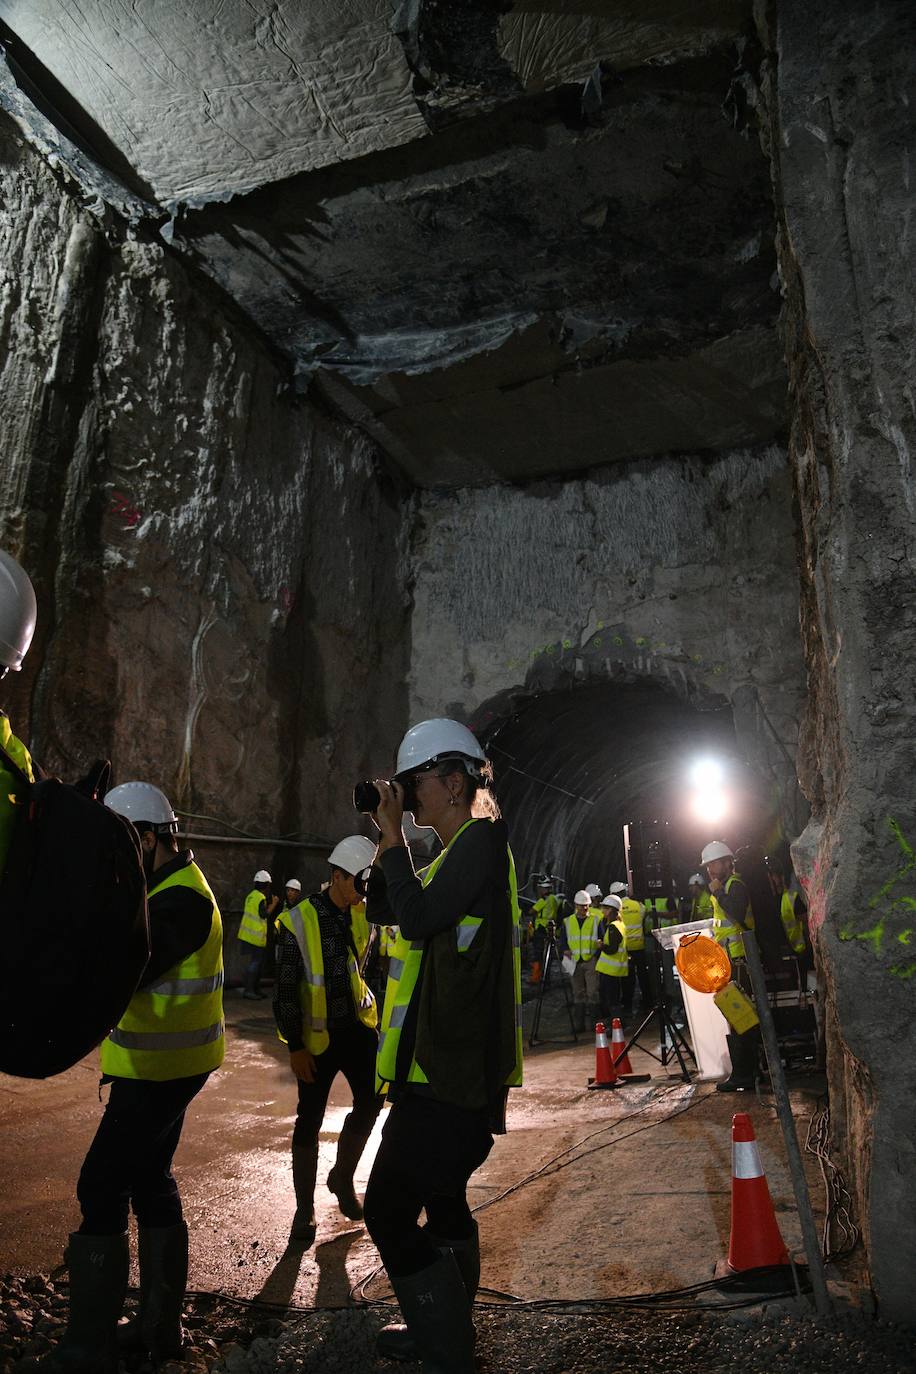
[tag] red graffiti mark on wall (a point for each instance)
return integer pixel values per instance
(286, 599)
(121, 505)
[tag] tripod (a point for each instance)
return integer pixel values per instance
(671, 1039)
(551, 958)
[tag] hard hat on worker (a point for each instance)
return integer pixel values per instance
(352, 854)
(583, 898)
(262, 876)
(696, 880)
(295, 884)
(18, 611)
(617, 888)
(433, 740)
(593, 890)
(141, 801)
(716, 849)
(612, 900)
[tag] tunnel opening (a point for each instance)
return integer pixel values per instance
(572, 767)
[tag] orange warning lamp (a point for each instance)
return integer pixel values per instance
(703, 964)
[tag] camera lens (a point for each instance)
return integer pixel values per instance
(366, 797)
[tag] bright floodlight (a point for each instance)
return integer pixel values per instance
(709, 805)
(706, 774)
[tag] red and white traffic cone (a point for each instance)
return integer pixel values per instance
(621, 1060)
(755, 1240)
(605, 1073)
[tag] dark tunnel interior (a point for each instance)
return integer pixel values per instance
(573, 767)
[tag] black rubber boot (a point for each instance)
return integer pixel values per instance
(305, 1171)
(98, 1268)
(350, 1147)
(395, 1342)
(435, 1306)
(163, 1256)
(743, 1052)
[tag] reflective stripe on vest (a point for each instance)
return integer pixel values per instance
(723, 927)
(253, 927)
(302, 922)
(631, 915)
(582, 936)
(404, 975)
(791, 924)
(615, 965)
(174, 1027)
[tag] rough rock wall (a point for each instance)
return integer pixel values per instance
(217, 563)
(679, 571)
(840, 129)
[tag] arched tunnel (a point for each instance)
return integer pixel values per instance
(574, 767)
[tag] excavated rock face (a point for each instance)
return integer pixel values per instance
(216, 562)
(841, 134)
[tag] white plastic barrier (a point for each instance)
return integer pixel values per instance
(708, 1027)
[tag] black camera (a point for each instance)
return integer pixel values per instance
(366, 798)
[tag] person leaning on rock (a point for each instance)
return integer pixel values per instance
(157, 1059)
(327, 1015)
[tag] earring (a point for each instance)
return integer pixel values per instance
(453, 801)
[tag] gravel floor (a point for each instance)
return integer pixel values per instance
(231, 1338)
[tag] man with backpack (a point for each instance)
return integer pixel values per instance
(156, 1059)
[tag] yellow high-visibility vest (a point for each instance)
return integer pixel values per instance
(360, 928)
(253, 928)
(582, 936)
(174, 1027)
(616, 965)
(404, 974)
(701, 906)
(9, 782)
(723, 927)
(791, 924)
(545, 909)
(631, 915)
(302, 921)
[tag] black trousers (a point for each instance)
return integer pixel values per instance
(130, 1160)
(610, 995)
(428, 1152)
(637, 972)
(352, 1052)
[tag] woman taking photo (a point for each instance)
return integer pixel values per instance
(451, 1042)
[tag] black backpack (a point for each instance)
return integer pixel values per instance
(69, 962)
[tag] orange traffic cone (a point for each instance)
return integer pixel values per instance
(621, 1060)
(535, 970)
(605, 1073)
(755, 1240)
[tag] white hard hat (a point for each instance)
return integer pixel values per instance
(716, 849)
(583, 898)
(545, 882)
(432, 740)
(697, 878)
(617, 887)
(262, 876)
(593, 889)
(352, 854)
(141, 801)
(17, 613)
(613, 900)
(294, 883)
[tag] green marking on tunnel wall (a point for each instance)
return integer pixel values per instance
(874, 937)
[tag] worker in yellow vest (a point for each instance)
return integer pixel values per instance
(327, 1015)
(451, 1043)
(613, 960)
(293, 893)
(582, 934)
(633, 917)
(700, 901)
(732, 917)
(17, 625)
(157, 1059)
(260, 905)
(544, 909)
(792, 922)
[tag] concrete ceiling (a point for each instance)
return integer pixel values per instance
(507, 239)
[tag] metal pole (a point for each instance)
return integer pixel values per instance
(787, 1122)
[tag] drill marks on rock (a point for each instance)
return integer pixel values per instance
(896, 910)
